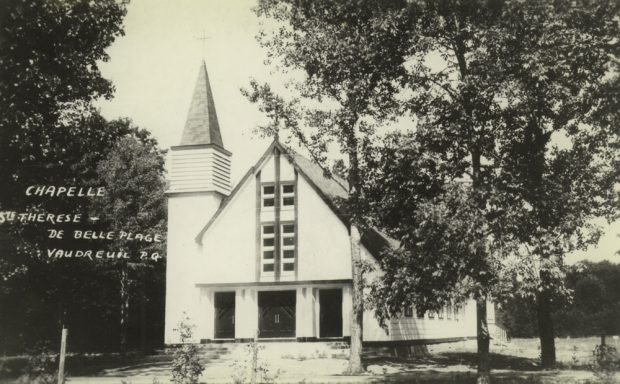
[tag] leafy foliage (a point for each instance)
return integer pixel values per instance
(41, 367)
(186, 364)
(252, 369)
(593, 310)
(445, 226)
(50, 134)
(605, 363)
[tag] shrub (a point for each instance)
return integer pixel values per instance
(252, 370)
(186, 364)
(605, 363)
(41, 367)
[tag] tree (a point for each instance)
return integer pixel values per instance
(593, 308)
(558, 58)
(50, 134)
(454, 85)
(48, 79)
(494, 101)
(134, 203)
(351, 75)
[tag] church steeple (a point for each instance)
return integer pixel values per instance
(200, 163)
(202, 126)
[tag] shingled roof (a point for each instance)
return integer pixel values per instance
(333, 190)
(202, 126)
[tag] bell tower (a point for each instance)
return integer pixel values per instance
(199, 179)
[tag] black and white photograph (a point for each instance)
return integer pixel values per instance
(309, 191)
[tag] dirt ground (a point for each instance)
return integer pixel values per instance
(512, 362)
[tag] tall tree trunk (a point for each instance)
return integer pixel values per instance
(545, 330)
(357, 316)
(356, 365)
(484, 357)
(124, 309)
(143, 322)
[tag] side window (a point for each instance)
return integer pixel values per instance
(268, 193)
(409, 311)
(267, 247)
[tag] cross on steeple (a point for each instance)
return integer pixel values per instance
(203, 38)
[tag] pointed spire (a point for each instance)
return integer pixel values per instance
(202, 126)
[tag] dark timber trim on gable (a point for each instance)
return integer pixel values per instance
(259, 228)
(277, 247)
(296, 226)
(368, 238)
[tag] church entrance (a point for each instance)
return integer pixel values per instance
(224, 315)
(330, 313)
(276, 313)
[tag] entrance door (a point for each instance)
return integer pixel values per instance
(276, 313)
(224, 315)
(330, 312)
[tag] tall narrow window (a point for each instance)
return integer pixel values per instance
(268, 196)
(409, 311)
(268, 248)
(288, 195)
(287, 247)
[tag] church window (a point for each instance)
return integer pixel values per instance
(287, 246)
(448, 311)
(268, 195)
(288, 195)
(440, 313)
(268, 248)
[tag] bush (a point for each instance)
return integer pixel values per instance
(605, 363)
(186, 364)
(252, 370)
(41, 367)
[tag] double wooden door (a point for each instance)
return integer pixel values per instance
(276, 314)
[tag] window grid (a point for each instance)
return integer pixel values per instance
(287, 247)
(287, 195)
(268, 196)
(267, 248)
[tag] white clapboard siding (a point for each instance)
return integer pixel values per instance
(199, 169)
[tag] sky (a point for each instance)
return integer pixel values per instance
(154, 68)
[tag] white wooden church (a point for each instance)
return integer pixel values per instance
(270, 256)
